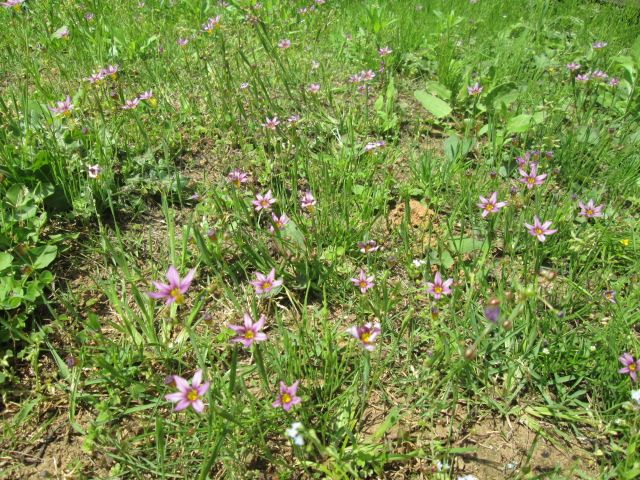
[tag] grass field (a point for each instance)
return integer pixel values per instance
(332, 239)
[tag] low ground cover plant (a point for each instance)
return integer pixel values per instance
(319, 239)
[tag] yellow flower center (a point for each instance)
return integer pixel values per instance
(437, 289)
(263, 203)
(489, 207)
(531, 180)
(363, 284)
(538, 231)
(249, 334)
(193, 395)
(365, 337)
(67, 113)
(177, 294)
(632, 367)
(589, 212)
(286, 398)
(266, 285)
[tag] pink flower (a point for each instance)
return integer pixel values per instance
(599, 75)
(437, 288)
(278, 222)
(614, 82)
(63, 108)
(212, 24)
(367, 75)
(131, 104)
(266, 283)
(531, 179)
(110, 71)
(249, 332)
(94, 171)
(474, 89)
(271, 123)
(146, 95)
(491, 204)
(368, 246)
(287, 397)
(363, 281)
(366, 334)
(573, 66)
(176, 288)
(540, 230)
(263, 202)
(599, 45)
(590, 210)
(384, 51)
(582, 77)
(189, 395)
(182, 41)
(284, 43)
(62, 33)
(95, 78)
(238, 177)
(308, 202)
(15, 4)
(369, 147)
(293, 119)
(631, 366)
(314, 88)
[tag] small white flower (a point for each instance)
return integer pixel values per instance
(418, 263)
(468, 477)
(298, 440)
(592, 348)
(442, 466)
(545, 351)
(635, 395)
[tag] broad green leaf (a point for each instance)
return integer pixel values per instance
(438, 108)
(5, 260)
(44, 256)
(524, 122)
(438, 89)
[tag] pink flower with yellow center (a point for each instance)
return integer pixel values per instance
(63, 108)
(438, 288)
(176, 288)
(540, 230)
(266, 283)
(237, 177)
(491, 204)
(631, 366)
(590, 210)
(263, 202)
(271, 123)
(287, 397)
(366, 334)
(532, 178)
(250, 332)
(363, 282)
(308, 202)
(279, 222)
(189, 395)
(369, 246)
